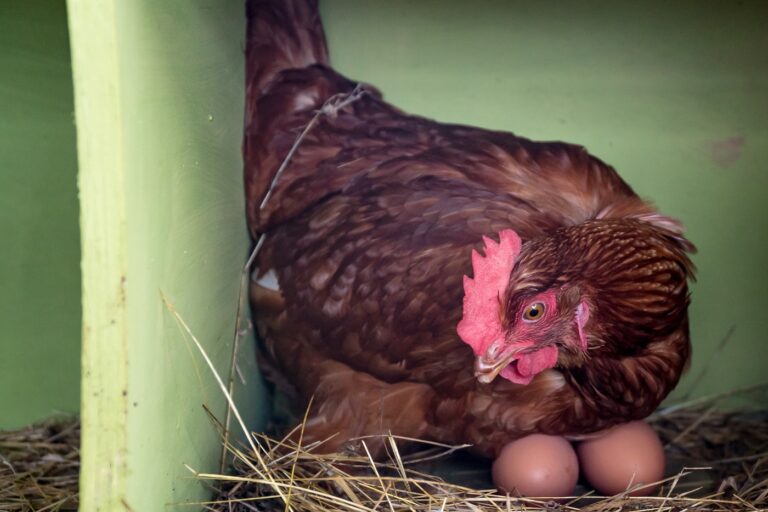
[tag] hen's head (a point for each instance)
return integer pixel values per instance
(607, 286)
(519, 335)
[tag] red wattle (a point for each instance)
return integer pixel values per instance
(524, 369)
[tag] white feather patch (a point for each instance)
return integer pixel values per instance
(269, 281)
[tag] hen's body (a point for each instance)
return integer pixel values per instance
(369, 232)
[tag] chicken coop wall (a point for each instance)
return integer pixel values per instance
(40, 253)
(159, 109)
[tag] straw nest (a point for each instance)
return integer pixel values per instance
(718, 461)
(39, 467)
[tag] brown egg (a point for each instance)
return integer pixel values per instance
(626, 455)
(537, 465)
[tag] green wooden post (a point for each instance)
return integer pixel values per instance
(159, 100)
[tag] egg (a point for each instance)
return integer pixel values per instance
(626, 455)
(537, 465)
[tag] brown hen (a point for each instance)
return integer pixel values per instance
(368, 235)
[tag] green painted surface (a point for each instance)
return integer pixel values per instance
(40, 254)
(673, 94)
(159, 97)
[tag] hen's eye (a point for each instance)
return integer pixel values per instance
(534, 312)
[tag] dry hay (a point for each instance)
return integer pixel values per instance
(718, 461)
(39, 467)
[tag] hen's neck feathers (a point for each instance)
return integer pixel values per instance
(633, 274)
(631, 387)
(634, 277)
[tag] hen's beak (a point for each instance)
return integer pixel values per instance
(487, 368)
(485, 372)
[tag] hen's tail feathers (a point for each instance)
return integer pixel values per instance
(284, 39)
(281, 34)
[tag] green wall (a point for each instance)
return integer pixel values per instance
(673, 94)
(40, 249)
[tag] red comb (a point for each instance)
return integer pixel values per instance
(480, 324)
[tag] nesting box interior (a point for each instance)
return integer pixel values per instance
(672, 95)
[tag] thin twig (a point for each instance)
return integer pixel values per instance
(235, 350)
(331, 107)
